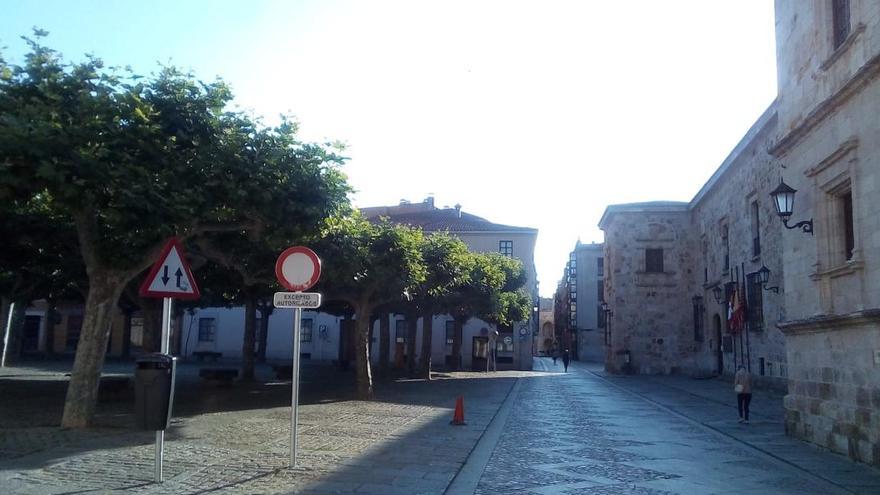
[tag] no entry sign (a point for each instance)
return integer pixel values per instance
(298, 268)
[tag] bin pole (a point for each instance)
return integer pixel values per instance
(294, 385)
(160, 434)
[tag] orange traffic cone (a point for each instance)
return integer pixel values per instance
(458, 417)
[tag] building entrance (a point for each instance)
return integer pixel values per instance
(480, 354)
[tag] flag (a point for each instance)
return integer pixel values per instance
(736, 313)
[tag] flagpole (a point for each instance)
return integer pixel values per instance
(748, 324)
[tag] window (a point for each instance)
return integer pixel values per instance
(600, 266)
(600, 290)
(704, 245)
(654, 260)
(600, 317)
(849, 240)
(840, 21)
(450, 332)
(756, 232)
(698, 319)
(400, 331)
(725, 246)
(207, 329)
(306, 330)
(754, 303)
(505, 248)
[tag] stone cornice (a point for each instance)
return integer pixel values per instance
(834, 157)
(856, 83)
(826, 323)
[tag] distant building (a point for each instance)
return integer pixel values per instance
(324, 335)
(581, 295)
(514, 344)
(546, 336)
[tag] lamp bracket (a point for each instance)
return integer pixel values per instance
(774, 289)
(806, 226)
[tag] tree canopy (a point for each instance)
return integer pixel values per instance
(129, 161)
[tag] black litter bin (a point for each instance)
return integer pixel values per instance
(154, 391)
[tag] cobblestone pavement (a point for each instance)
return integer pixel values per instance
(540, 432)
(400, 443)
(584, 433)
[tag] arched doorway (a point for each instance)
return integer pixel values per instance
(716, 320)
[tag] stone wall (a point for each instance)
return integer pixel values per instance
(736, 201)
(651, 310)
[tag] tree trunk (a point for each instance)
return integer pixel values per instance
(105, 288)
(384, 342)
(50, 327)
(427, 338)
(126, 334)
(250, 339)
(412, 320)
(362, 353)
(151, 308)
(265, 312)
(457, 334)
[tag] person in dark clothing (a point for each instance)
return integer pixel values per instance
(566, 358)
(742, 384)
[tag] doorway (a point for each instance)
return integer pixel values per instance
(30, 339)
(716, 320)
(480, 354)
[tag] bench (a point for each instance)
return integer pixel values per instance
(202, 355)
(223, 376)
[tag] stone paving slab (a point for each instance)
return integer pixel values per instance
(594, 434)
(401, 442)
(685, 396)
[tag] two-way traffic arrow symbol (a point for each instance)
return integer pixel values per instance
(178, 274)
(166, 278)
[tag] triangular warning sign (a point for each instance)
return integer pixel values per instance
(171, 275)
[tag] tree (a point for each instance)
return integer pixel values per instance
(448, 266)
(493, 292)
(367, 265)
(131, 162)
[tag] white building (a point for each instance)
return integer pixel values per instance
(586, 278)
(221, 329)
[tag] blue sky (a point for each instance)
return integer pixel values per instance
(536, 114)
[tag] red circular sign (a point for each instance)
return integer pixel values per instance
(298, 268)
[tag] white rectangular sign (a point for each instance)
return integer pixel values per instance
(308, 300)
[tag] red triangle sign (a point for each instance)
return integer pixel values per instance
(171, 275)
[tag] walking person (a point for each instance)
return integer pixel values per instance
(566, 358)
(555, 355)
(742, 385)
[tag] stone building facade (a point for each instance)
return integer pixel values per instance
(545, 338)
(817, 332)
(827, 146)
(716, 242)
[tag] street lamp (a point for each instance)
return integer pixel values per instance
(783, 200)
(718, 294)
(764, 277)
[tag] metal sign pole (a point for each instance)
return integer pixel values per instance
(6, 334)
(166, 338)
(294, 385)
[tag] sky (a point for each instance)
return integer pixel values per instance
(528, 113)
